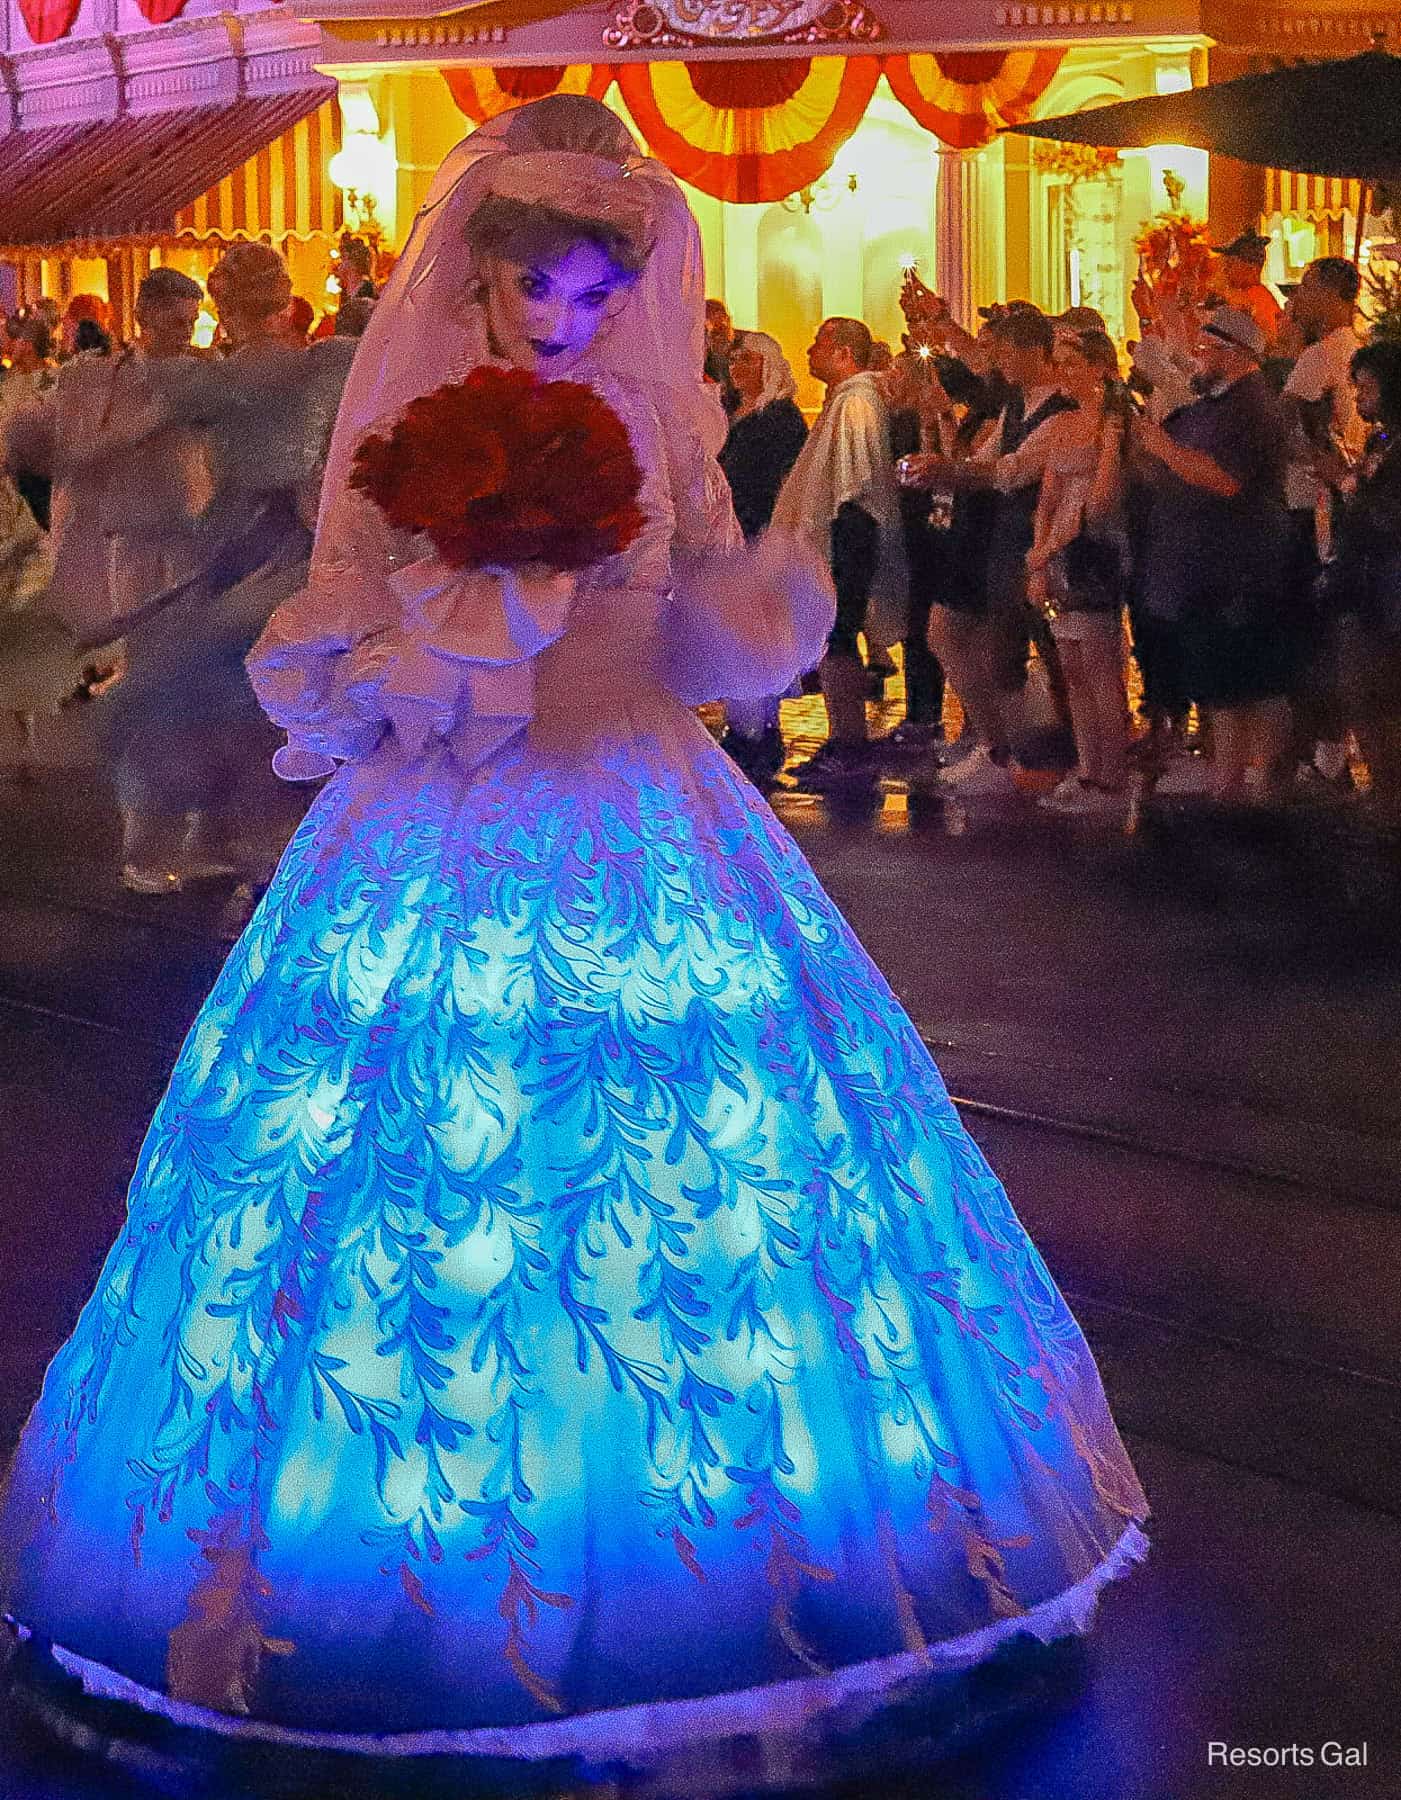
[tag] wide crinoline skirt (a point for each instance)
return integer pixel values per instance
(560, 1310)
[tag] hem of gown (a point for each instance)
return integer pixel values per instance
(645, 1728)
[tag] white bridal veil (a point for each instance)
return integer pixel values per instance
(349, 656)
(428, 328)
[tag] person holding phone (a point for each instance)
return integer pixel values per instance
(1077, 568)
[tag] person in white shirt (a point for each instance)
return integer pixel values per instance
(841, 497)
(1318, 394)
(124, 498)
(1318, 399)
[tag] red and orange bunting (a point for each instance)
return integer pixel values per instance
(161, 12)
(749, 131)
(482, 92)
(47, 21)
(965, 97)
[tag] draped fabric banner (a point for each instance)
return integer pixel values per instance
(749, 131)
(47, 21)
(481, 92)
(762, 129)
(965, 97)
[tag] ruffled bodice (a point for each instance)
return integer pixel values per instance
(390, 648)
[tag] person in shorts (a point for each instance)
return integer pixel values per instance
(1216, 556)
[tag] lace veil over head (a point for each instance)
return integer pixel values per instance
(571, 154)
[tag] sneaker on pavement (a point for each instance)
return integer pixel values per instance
(207, 866)
(1315, 788)
(1070, 794)
(1330, 760)
(836, 766)
(1101, 803)
(910, 742)
(980, 776)
(960, 749)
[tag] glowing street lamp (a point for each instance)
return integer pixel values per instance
(363, 169)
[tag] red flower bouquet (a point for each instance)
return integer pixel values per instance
(501, 470)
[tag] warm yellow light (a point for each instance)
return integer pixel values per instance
(923, 352)
(363, 166)
(1189, 165)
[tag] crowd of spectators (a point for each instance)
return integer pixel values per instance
(1031, 514)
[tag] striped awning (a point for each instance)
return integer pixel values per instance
(1317, 198)
(97, 184)
(283, 192)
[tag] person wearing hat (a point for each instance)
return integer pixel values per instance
(1239, 280)
(1215, 563)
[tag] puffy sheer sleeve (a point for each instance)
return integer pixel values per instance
(739, 621)
(745, 623)
(387, 639)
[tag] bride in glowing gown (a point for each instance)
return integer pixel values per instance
(560, 1314)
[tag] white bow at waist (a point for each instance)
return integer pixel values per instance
(457, 666)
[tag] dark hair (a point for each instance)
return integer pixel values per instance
(356, 252)
(958, 381)
(89, 335)
(852, 335)
(574, 123)
(1081, 318)
(1097, 348)
(29, 328)
(532, 235)
(1024, 328)
(1381, 359)
(166, 284)
(1339, 276)
(301, 314)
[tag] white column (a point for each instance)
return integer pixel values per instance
(955, 230)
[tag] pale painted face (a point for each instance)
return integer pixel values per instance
(544, 319)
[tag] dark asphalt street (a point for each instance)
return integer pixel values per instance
(1181, 1050)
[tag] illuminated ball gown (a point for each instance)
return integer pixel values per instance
(560, 1312)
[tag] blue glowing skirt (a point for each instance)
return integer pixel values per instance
(560, 1310)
